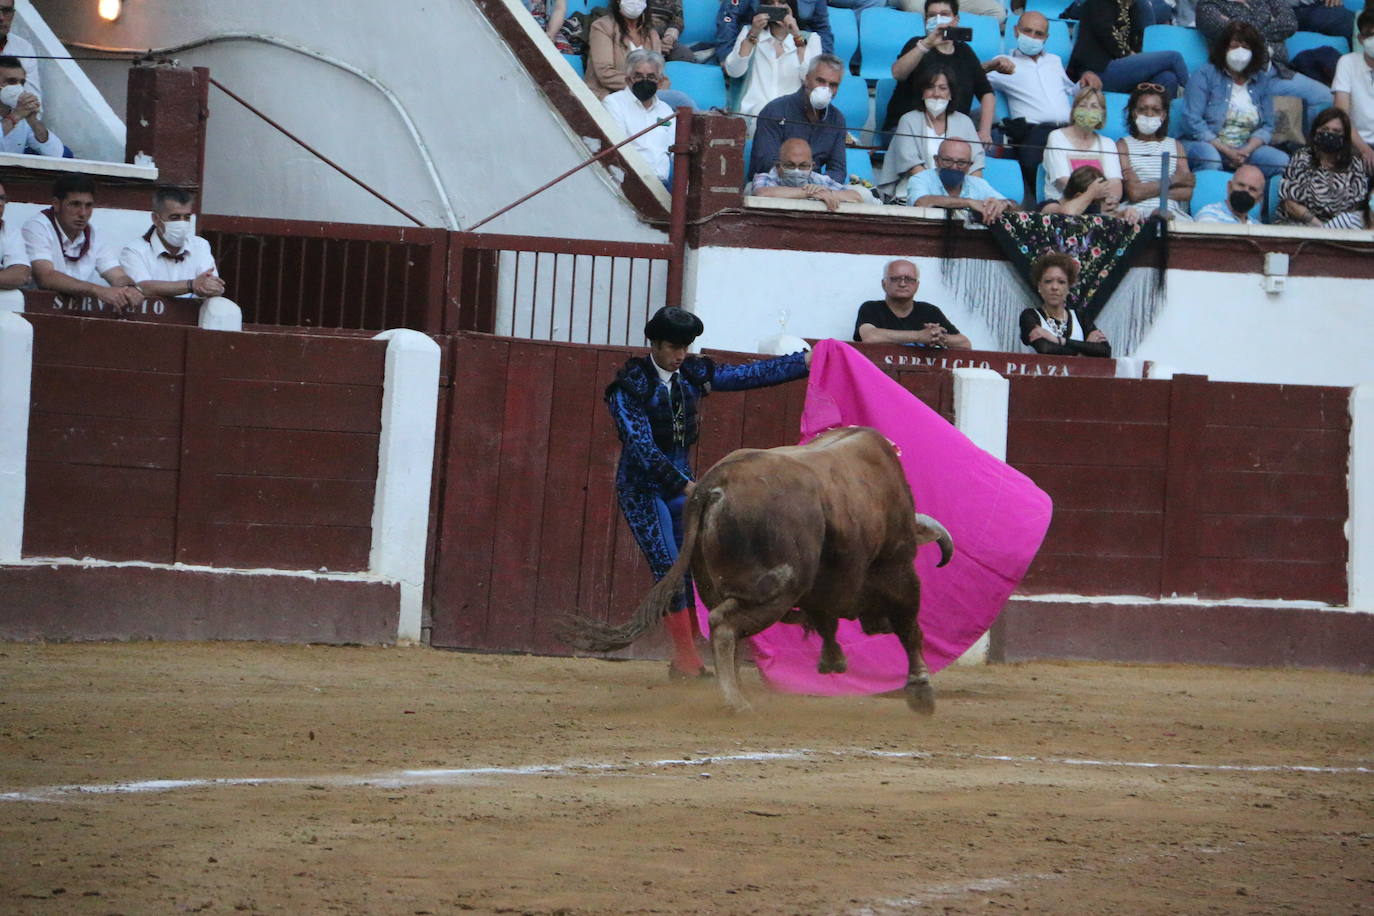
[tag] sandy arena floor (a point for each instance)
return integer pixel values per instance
(416, 781)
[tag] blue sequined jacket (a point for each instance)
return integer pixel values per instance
(654, 453)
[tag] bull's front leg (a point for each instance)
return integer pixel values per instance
(724, 644)
(900, 591)
(832, 656)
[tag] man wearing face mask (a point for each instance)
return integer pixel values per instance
(637, 106)
(793, 178)
(951, 187)
(16, 46)
(170, 261)
(1353, 87)
(808, 115)
(20, 106)
(1244, 190)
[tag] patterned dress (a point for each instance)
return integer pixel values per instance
(658, 425)
(1337, 198)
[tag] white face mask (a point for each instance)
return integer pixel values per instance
(1368, 45)
(1238, 58)
(633, 9)
(9, 96)
(176, 232)
(935, 107)
(1148, 124)
(1029, 46)
(820, 98)
(934, 22)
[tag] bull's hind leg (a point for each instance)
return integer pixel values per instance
(832, 656)
(896, 587)
(729, 621)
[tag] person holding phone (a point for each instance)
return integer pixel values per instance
(771, 56)
(735, 15)
(938, 49)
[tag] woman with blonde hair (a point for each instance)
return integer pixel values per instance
(1080, 144)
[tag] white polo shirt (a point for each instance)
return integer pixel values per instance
(630, 113)
(1355, 76)
(1038, 90)
(41, 238)
(12, 249)
(149, 259)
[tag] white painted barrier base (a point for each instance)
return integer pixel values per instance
(16, 373)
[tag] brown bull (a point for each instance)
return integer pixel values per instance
(828, 528)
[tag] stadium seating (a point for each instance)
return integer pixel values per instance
(1305, 41)
(1188, 42)
(882, 95)
(575, 61)
(1005, 176)
(1116, 115)
(1176, 117)
(698, 20)
(705, 83)
(860, 165)
(987, 35)
(1050, 9)
(1211, 187)
(1060, 41)
(1271, 199)
(884, 32)
(845, 27)
(852, 100)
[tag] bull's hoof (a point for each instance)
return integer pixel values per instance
(920, 696)
(837, 666)
(740, 707)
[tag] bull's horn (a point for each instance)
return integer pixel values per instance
(928, 529)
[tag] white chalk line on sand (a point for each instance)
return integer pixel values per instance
(398, 779)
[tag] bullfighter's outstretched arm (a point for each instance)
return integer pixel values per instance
(760, 374)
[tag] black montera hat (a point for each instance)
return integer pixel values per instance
(675, 325)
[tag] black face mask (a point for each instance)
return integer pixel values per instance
(1241, 201)
(1328, 142)
(644, 89)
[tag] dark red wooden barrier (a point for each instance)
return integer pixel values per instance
(172, 444)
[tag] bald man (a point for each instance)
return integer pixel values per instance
(794, 176)
(1243, 191)
(898, 318)
(950, 186)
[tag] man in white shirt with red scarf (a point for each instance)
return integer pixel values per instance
(170, 261)
(69, 255)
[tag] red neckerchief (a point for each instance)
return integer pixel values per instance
(62, 237)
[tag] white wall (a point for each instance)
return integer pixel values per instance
(1317, 332)
(491, 134)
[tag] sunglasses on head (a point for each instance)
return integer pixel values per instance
(1151, 87)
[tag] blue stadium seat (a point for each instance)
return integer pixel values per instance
(1355, 5)
(1176, 117)
(860, 165)
(698, 20)
(705, 83)
(1050, 9)
(1188, 42)
(1039, 194)
(884, 32)
(575, 61)
(1005, 176)
(1116, 115)
(845, 27)
(987, 35)
(1271, 200)
(1305, 41)
(882, 95)
(1211, 187)
(852, 100)
(1060, 41)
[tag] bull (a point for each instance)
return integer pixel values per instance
(807, 533)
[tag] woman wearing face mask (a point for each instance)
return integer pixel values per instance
(922, 54)
(920, 132)
(772, 57)
(1147, 118)
(622, 30)
(1080, 144)
(1326, 184)
(1228, 118)
(1054, 328)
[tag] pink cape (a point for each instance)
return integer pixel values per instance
(995, 514)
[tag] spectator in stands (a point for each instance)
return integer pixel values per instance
(1079, 144)
(17, 46)
(14, 259)
(1147, 123)
(1108, 46)
(1243, 191)
(1326, 17)
(550, 15)
(20, 107)
(1053, 328)
(170, 261)
(637, 106)
(68, 253)
(1354, 88)
(807, 114)
(771, 56)
(1326, 184)
(1089, 192)
(1275, 22)
(1229, 113)
(916, 142)
(795, 177)
(1038, 91)
(950, 186)
(666, 18)
(898, 318)
(733, 15)
(612, 37)
(922, 54)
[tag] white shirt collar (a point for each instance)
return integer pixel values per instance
(664, 375)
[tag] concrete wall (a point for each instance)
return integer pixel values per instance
(1222, 325)
(491, 134)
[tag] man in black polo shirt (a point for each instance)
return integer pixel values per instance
(899, 319)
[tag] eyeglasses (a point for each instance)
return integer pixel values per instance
(954, 163)
(1150, 87)
(903, 279)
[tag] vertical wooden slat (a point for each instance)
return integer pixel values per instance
(602, 515)
(1182, 531)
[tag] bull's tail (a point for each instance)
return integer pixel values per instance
(595, 636)
(928, 529)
